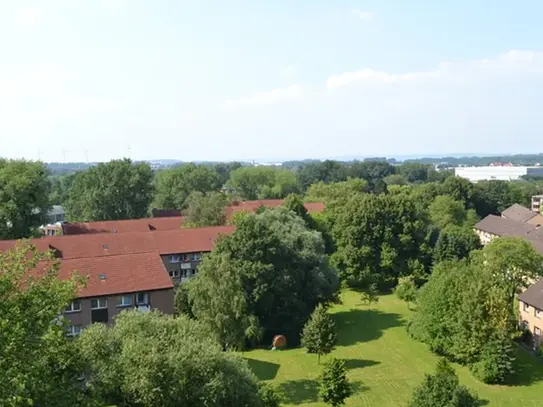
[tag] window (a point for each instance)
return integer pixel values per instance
(99, 303)
(175, 259)
(174, 273)
(75, 306)
(73, 330)
(525, 325)
(193, 271)
(538, 313)
(537, 331)
(526, 307)
(124, 300)
(196, 256)
(142, 298)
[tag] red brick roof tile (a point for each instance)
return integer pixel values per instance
(118, 274)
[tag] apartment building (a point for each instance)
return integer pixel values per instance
(531, 311)
(137, 270)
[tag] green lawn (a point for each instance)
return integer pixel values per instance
(384, 363)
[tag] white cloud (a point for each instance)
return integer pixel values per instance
(272, 97)
(364, 15)
(289, 71)
(27, 16)
(512, 63)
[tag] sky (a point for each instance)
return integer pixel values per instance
(269, 80)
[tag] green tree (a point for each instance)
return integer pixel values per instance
(182, 305)
(370, 294)
(205, 209)
(154, 360)
(174, 185)
(406, 290)
(459, 189)
(442, 389)
(515, 261)
(270, 273)
(321, 192)
(60, 187)
(334, 386)
(261, 182)
(378, 238)
(455, 242)
(319, 333)
(445, 211)
(39, 365)
(395, 179)
(24, 198)
(326, 171)
(115, 190)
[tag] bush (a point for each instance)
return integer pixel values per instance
(496, 362)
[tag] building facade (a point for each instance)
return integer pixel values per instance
(499, 173)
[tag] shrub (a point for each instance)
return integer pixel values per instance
(496, 362)
(526, 337)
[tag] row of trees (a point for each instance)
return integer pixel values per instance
(121, 189)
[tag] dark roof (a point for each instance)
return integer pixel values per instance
(499, 226)
(533, 295)
(518, 213)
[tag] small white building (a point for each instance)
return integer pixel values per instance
(500, 173)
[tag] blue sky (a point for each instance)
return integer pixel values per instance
(221, 80)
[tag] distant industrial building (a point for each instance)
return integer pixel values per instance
(497, 172)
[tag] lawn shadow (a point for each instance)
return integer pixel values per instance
(359, 363)
(263, 370)
(358, 387)
(357, 325)
(299, 391)
(528, 369)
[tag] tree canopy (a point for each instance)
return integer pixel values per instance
(174, 185)
(261, 182)
(24, 198)
(319, 333)
(39, 365)
(269, 274)
(205, 209)
(154, 360)
(115, 190)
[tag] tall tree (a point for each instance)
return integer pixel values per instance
(319, 333)
(406, 290)
(115, 190)
(174, 185)
(154, 360)
(442, 389)
(205, 209)
(378, 237)
(275, 269)
(321, 192)
(39, 365)
(445, 211)
(334, 386)
(326, 171)
(24, 198)
(261, 182)
(455, 242)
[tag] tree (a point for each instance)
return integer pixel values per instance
(378, 238)
(406, 290)
(261, 182)
(442, 389)
(270, 273)
(515, 261)
(334, 386)
(370, 294)
(455, 242)
(445, 211)
(319, 333)
(116, 190)
(321, 192)
(459, 189)
(182, 305)
(395, 179)
(24, 198)
(465, 306)
(205, 209)
(326, 171)
(174, 185)
(39, 365)
(155, 360)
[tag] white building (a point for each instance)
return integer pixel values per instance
(501, 173)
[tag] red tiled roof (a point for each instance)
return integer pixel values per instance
(122, 226)
(121, 274)
(252, 206)
(110, 244)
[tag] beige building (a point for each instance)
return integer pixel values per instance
(531, 310)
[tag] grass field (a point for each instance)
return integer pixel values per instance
(384, 363)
